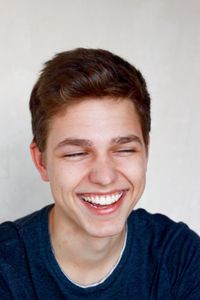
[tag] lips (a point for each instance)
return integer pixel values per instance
(102, 201)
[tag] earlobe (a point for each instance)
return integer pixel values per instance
(38, 159)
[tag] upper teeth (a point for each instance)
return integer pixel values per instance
(104, 199)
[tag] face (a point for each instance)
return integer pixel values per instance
(95, 161)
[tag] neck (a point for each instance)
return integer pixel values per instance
(84, 259)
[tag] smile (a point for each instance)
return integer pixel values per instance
(102, 199)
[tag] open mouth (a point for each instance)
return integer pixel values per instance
(104, 200)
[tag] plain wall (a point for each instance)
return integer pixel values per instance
(160, 37)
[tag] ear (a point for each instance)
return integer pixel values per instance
(38, 159)
(147, 151)
(148, 146)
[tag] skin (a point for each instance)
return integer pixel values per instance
(94, 147)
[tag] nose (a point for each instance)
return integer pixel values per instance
(103, 171)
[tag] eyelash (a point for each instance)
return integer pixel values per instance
(79, 154)
(76, 154)
(126, 150)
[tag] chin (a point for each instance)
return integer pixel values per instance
(107, 231)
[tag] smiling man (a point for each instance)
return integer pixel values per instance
(91, 123)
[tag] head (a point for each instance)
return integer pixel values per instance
(80, 74)
(91, 123)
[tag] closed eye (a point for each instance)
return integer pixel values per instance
(76, 154)
(127, 150)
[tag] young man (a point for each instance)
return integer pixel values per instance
(91, 122)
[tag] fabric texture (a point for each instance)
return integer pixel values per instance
(161, 260)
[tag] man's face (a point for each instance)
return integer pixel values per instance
(95, 161)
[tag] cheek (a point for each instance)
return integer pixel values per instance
(134, 169)
(65, 176)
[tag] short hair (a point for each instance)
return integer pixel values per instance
(82, 74)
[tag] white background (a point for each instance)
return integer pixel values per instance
(161, 37)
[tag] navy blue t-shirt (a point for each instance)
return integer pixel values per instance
(161, 260)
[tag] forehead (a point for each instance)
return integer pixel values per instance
(96, 119)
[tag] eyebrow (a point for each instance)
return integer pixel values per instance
(74, 142)
(87, 143)
(126, 139)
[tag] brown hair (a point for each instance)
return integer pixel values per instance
(85, 73)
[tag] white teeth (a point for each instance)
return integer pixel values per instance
(103, 200)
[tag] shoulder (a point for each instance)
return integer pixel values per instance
(11, 259)
(167, 240)
(160, 225)
(173, 248)
(16, 239)
(9, 238)
(10, 231)
(12, 238)
(144, 217)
